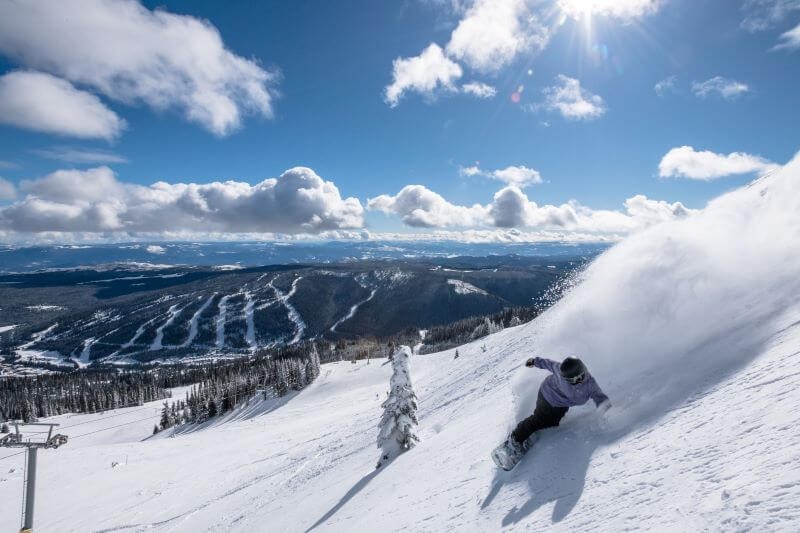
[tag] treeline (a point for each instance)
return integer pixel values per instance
(102, 388)
(445, 337)
(224, 387)
(30, 398)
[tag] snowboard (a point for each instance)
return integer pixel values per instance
(506, 458)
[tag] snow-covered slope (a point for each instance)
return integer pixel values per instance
(693, 329)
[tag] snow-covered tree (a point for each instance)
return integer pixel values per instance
(397, 428)
(166, 417)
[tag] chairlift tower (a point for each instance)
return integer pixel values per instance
(16, 440)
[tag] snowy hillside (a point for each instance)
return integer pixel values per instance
(692, 328)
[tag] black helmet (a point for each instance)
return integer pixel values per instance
(573, 370)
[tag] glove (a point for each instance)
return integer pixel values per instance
(529, 362)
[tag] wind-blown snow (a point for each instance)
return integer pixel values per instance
(692, 328)
(673, 307)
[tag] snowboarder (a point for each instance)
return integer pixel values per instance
(568, 385)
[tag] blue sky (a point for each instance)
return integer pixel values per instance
(328, 65)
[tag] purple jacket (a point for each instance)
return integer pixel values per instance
(559, 393)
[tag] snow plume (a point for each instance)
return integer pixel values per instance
(398, 423)
(674, 308)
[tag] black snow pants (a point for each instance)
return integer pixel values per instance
(544, 416)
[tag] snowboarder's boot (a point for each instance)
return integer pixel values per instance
(508, 454)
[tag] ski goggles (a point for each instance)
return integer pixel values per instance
(575, 380)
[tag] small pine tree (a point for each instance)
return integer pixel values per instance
(456, 355)
(166, 421)
(155, 429)
(397, 428)
(4, 428)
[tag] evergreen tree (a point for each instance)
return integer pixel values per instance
(166, 420)
(397, 427)
(4, 428)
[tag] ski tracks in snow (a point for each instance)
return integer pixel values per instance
(294, 315)
(353, 310)
(173, 313)
(223, 311)
(193, 321)
(250, 334)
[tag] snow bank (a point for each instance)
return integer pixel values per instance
(684, 303)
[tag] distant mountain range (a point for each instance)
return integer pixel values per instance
(125, 315)
(249, 254)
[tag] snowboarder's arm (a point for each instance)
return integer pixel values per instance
(600, 398)
(544, 364)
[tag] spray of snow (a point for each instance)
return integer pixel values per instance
(675, 308)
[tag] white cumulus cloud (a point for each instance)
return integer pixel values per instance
(521, 176)
(493, 32)
(481, 90)
(470, 171)
(95, 201)
(134, 55)
(511, 208)
(686, 162)
(41, 102)
(7, 190)
(667, 85)
(423, 74)
(573, 101)
(727, 88)
(420, 207)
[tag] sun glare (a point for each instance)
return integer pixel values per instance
(579, 8)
